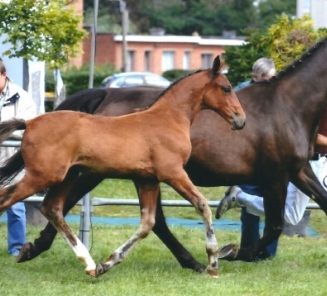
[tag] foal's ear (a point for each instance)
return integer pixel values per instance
(216, 66)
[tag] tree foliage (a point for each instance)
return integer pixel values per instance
(183, 17)
(46, 30)
(288, 39)
(268, 10)
(205, 17)
(284, 42)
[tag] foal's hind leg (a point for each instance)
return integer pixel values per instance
(52, 207)
(147, 196)
(26, 187)
(83, 185)
(183, 185)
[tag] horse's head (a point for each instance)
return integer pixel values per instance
(220, 97)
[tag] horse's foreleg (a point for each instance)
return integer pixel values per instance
(147, 196)
(183, 256)
(83, 185)
(52, 209)
(161, 230)
(183, 185)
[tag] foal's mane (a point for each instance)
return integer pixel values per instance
(169, 87)
(302, 59)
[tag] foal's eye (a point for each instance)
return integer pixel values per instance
(226, 90)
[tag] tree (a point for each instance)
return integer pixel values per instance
(288, 39)
(284, 42)
(46, 30)
(269, 9)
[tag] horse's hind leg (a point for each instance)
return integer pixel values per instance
(147, 196)
(183, 256)
(308, 183)
(52, 209)
(183, 185)
(83, 185)
(274, 205)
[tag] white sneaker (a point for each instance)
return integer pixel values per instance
(228, 202)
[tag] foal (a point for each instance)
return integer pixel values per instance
(148, 147)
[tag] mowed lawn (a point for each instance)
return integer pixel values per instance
(300, 267)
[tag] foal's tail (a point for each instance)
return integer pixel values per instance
(14, 164)
(8, 127)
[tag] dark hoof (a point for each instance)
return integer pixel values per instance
(26, 253)
(99, 270)
(228, 252)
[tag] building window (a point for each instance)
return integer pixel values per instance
(130, 61)
(206, 60)
(168, 60)
(147, 64)
(187, 60)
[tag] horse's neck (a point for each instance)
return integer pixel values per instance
(305, 88)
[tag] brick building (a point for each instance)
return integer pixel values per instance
(157, 53)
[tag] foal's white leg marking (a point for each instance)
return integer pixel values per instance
(211, 242)
(120, 254)
(81, 253)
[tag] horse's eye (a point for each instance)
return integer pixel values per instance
(226, 90)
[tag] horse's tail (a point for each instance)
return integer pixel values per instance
(8, 127)
(14, 164)
(12, 167)
(87, 100)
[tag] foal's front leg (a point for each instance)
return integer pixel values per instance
(183, 185)
(147, 197)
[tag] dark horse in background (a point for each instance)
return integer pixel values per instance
(282, 119)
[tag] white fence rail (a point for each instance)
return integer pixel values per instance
(102, 201)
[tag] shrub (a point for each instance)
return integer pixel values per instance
(175, 74)
(78, 79)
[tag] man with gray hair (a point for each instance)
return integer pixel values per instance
(262, 69)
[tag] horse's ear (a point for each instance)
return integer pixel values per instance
(215, 66)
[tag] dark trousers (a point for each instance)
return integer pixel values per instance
(251, 234)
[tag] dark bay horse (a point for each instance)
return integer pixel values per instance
(274, 147)
(147, 147)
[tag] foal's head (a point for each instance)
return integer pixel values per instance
(220, 97)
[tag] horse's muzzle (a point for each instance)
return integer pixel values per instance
(238, 122)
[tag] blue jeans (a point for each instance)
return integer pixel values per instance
(16, 222)
(251, 227)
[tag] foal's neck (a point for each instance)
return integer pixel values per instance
(183, 100)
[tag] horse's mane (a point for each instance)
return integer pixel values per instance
(300, 60)
(172, 85)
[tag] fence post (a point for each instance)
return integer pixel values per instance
(85, 217)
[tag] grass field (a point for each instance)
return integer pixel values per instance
(300, 267)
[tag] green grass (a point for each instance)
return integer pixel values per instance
(300, 268)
